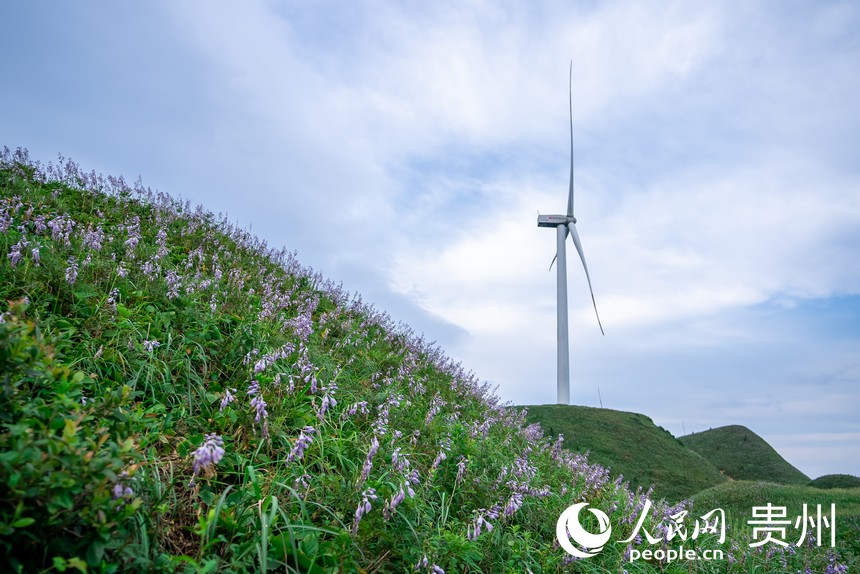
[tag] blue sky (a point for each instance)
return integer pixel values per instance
(405, 149)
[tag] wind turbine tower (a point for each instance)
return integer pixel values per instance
(564, 225)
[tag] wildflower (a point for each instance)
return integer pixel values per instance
(328, 401)
(228, 398)
(98, 354)
(368, 461)
(514, 504)
(259, 405)
(174, 282)
(94, 238)
(151, 345)
(461, 469)
(36, 256)
(112, 298)
(72, 271)
(207, 454)
(363, 507)
(302, 443)
(16, 254)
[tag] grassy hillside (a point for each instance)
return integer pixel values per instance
(631, 445)
(738, 498)
(176, 396)
(836, 481)
(743, 455)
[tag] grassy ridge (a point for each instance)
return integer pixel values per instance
(743, 455)
(631, 445)
(738, 498)
(836, 481)
(178, 397)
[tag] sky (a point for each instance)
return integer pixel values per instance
(406, 148)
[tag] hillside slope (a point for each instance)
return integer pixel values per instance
(629, 444)
(743, 455)
(175, 396)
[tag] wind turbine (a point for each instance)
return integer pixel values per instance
(564, 225)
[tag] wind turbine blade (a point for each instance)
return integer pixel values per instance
(575, 236)
(570, 192)
(556, 255)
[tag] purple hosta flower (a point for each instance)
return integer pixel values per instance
(461, 469)
(397, 498)
(438, 460)
(150, 346)
(207, 454)
(151, 269)
(121, 270)
(250, 356)
(39, 225)
(72, 271)
(306, 437)
(474, 530)
(328, 401)
(514, 504)
(93, 239)
(483, 428)
(112, 299)
(435, 406)
(16, 253)
(133, 231)
(37, 258)
(269, 358)
(228, 398)
(161, 242)
(61, 229)
(415, 436)
(259, 404)
(301, 483)
(174, 282)
(423, 563)
(363, 507)
(121, 490)
(359, 407)
(368, 461)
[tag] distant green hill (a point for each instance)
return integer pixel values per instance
(829, 481)
(632, 445)
(741, 454)
(738, 497)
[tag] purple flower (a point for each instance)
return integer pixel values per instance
(207, 454)
(461, 469)
(16, 254)
(72, 271)
(302, 443)
(151, 345)
(228, 398)
(368, 461)
(363, 507)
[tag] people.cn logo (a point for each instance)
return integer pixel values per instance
(568, 527)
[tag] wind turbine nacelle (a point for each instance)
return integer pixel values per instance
(554, 220)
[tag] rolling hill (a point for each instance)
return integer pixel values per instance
(741, 454)
(631, 445)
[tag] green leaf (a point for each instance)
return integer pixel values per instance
(23, 522)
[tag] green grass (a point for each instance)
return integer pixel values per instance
(836, 481)
(741, 454)
(631, 445)
(176, 396)
(738, 498)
